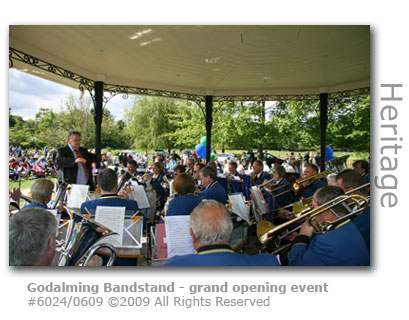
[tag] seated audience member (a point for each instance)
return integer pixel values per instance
(211, 228)
(107, 182)
(349, 180)
(41, 193)
(266, 167)
(342, 245)
(213, 190)
(185, 200)
(362, 167)
(308, 188)
(130, 175)
(240, 167)
(32, 234)
(258, 175)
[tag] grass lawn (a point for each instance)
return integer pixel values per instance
(26, 184)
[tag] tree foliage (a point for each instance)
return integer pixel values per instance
(168, 123)
(50, 128)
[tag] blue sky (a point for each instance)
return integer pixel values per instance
(28, 93)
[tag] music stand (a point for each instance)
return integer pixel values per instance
(133, 233)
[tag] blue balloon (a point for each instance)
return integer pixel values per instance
(200, 150)
(328, 153)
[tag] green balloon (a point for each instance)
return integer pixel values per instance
(203, 140)
(212, 157)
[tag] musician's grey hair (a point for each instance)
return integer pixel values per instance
(216, 230)
(30, 231)
(72, 133)
(107, 179)
(41, 188)
(280, 171)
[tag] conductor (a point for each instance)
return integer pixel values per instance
(74, 162)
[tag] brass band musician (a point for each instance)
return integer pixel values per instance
(308, 188)
(185, 200)
(340, 246)
(131, 174)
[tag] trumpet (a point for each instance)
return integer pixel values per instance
(296, 183)
(266, 231)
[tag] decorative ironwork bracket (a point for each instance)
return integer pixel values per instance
(111, 90)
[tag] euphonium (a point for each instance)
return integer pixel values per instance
(81, 239)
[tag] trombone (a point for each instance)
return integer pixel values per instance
(266, 231)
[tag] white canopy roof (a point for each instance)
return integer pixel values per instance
(204, 60)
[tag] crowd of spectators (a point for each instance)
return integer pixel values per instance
(35, 164)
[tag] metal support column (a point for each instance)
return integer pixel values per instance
(98, 107)
(209, 122)
(323, 125)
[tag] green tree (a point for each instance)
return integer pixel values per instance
(349, 123)
(151, 120)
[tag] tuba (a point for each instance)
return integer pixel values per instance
(339, 164)
(81, 241)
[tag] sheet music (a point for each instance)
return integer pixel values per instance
(77, 196)
(138, 194)
(112, 218)
(178, 236)
(259, 200)
(238, 206)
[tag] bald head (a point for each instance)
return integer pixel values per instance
(210, 224)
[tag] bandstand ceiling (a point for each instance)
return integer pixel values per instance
(204, 60)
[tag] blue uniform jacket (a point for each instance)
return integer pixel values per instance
(363, 224)
(183, 205)
(214, 192)
(342, 246)
(161, 192)
(285, 198)
(264, 176)
(310, 190)
(110, 200)
(35, 205)
(222, 255)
